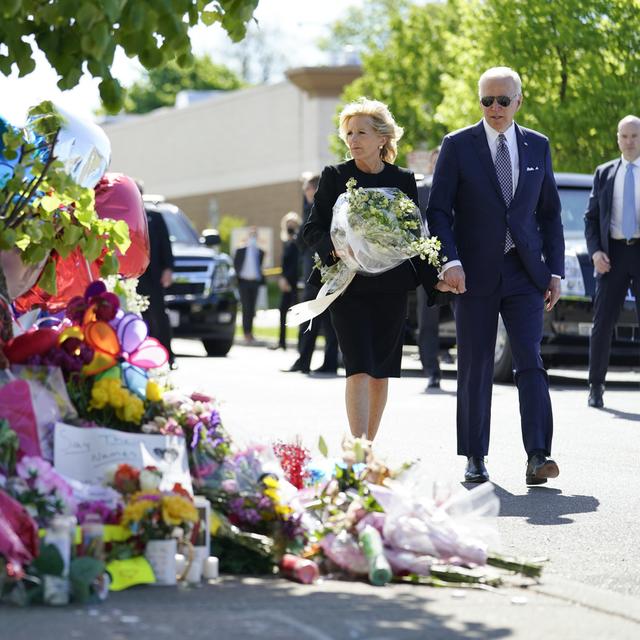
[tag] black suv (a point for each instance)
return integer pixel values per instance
(568, 326)
(202, 302)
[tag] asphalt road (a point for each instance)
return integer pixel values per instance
(585, 522)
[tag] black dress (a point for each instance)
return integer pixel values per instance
(369, 317)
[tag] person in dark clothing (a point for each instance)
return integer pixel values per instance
(309, 331)
(370, 316)
(158, 276)
(428, 316)
(288, 281)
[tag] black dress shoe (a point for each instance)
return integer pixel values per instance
(476, 472)
(327, 370)
(433, 382)
(539, 468)
(296, 367)
(595, 395)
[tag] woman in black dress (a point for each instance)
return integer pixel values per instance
(369, 317)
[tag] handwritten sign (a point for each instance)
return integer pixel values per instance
(130, 572)
(88, 454)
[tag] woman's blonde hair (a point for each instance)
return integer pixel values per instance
(291, 219)
(381, 120)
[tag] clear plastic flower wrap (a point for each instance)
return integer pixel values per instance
(373, 230)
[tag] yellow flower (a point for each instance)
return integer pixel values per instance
(270, 481)
(154, 394)
(99, 398)
(176, 510)
(135, 511)
(273, 494)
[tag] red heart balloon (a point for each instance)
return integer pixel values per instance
(118, 197)
(29, 344)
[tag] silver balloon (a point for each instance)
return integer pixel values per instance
(83, 148)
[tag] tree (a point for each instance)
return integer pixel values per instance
(74, 36)
(364, 28)
(161, 85)
(404, 70)
(579, 62)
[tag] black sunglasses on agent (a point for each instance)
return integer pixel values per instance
(503, 101)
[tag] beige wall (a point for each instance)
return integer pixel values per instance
(246, 149)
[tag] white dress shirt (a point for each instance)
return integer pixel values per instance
(615, 230)
(250, 267)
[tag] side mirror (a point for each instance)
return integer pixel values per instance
(211, 237)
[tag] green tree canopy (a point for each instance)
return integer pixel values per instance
(161, 85)
(579, 61)
(77, 35)
(405, 72)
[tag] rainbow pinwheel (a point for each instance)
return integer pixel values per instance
(120, 340)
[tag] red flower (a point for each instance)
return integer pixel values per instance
(126, 479)
(180, 490)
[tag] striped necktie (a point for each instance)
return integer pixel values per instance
(505, 180)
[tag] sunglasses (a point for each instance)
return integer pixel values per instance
(503, 101)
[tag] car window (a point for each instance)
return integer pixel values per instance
(574, 204)
(180, 230)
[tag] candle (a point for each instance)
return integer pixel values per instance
(211, 568)
(300, 569)
(181, 563)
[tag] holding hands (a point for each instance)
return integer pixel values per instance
(454, 278)
(601, 262)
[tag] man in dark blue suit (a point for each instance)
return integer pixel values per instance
(612, 230)
(495, 207)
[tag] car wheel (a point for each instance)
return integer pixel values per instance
(218, 348)
(502, 361)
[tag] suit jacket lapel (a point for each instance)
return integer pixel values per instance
(608, 194)
(482, 148)
(523, 156)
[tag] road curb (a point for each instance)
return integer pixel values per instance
(609, 602)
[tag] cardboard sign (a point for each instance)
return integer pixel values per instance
(87, 454)
(130, 572)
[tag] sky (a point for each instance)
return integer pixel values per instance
(300, 23)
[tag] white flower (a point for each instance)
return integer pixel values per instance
(150, 479)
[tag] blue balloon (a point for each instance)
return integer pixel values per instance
(135, 379)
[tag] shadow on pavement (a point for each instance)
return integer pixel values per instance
(623, 415)
(242, 608)
(544, 505)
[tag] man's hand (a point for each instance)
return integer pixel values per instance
(601, 262)
(283, 285)
(443, 286)
(166, 278)
(454, 277)
(552, 294)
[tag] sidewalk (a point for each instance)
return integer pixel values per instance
(239, 608)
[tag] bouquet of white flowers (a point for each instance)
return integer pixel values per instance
(373, 230)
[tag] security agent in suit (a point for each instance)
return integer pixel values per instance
(428, 315)
(612, 230)
(309, 331)
(495, 207)
(247, 261)
(157, 278)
